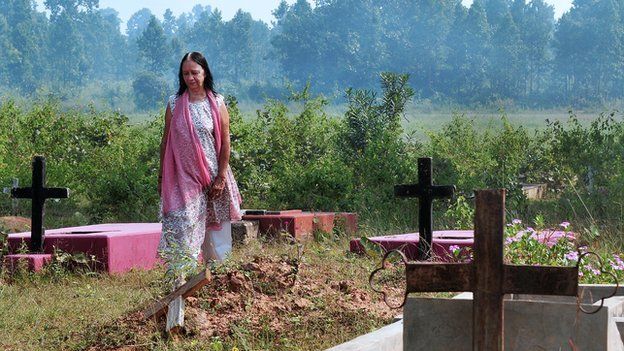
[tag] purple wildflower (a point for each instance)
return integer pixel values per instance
(618, 265)
(572, 256)
(454, 248)
(592, 269)
(564, 225)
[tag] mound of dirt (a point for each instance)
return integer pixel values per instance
(267, 292)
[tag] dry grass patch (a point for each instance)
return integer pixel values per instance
(268, 296)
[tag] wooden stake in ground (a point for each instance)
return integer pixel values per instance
(488, 277)
(189, 288)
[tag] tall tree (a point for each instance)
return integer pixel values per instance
(8, 52)
(589, 49)
(25, 32)
(71, 7)
(469, 42)
(206, 36)
(297, 43)
(154, 49)
(351, 40)
(538, 25)
(68, 56)
(503, 57)
(137, 23)
(237, 45)
(170, 25)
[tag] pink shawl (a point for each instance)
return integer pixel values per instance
(185, 172)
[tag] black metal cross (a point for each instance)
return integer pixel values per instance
(425, 191)
(38, 193)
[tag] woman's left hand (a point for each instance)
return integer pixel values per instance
(217, 187)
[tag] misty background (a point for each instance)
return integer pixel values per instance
(493, 52)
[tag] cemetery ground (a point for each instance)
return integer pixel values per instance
(269, 296)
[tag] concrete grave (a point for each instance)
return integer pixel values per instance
(388, 338)
(299, 224)
(442, 241)
(534, 191)
(117, 247)
(347, 222)
(33, 262)
(532, 322)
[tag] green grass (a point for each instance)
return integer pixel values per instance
(51, 312)
(61, 310)
(420, 122)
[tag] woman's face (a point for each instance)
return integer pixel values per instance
(193, 75)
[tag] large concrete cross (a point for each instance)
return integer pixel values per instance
(488, 277)
(426, 192)
(38, 193)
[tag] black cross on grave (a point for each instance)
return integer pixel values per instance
(425, 191)
(38, 193)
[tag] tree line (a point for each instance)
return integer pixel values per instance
(494, 50)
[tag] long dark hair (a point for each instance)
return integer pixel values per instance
(200, 60)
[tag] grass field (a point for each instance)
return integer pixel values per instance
(419, 120)
(331, 303)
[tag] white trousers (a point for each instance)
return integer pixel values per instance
(217, 244)
(216, 247)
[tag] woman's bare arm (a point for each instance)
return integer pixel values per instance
(224, 156)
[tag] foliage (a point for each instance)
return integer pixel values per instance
(109, 165)
(296, 156)
(561, 247)
(493, 52)
(473, 159)
(149, 90)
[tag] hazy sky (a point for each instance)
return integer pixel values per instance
(259, 9)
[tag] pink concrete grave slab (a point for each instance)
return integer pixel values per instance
(117, 247)
(33, 262)
(348, 221)
(442, 240)
(298, 224)
(324, 221)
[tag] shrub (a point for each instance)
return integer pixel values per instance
(149, 90)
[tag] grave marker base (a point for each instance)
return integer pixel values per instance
(117, 247)
(32, 262)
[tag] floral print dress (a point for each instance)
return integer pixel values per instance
(184, 229)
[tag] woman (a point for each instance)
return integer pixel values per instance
(199, 195)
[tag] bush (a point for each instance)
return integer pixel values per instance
(309, 160)
(150, 91)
